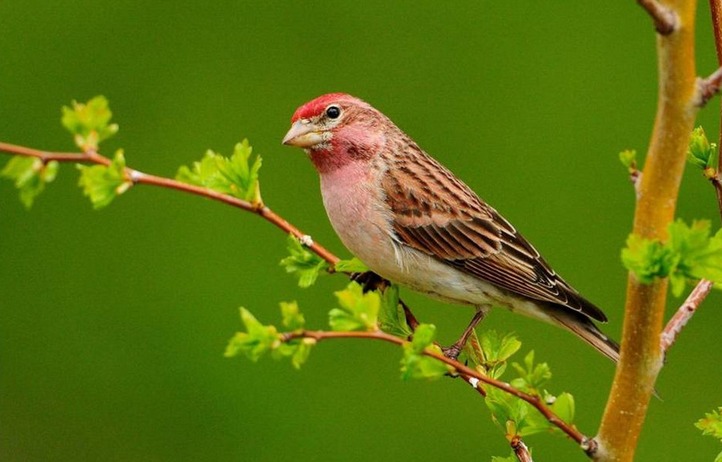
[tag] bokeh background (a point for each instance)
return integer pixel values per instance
(113, 322)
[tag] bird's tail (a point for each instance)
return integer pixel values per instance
(584, 328)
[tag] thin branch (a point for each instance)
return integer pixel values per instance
(665, 20)
(520, 450)
(684, 314)
(471, 376)
(138, 177)
(708, 87)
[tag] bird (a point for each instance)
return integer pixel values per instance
(413, 222)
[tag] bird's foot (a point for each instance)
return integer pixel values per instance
(453, 351)
(370, 281)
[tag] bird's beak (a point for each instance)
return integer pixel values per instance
(303, 134)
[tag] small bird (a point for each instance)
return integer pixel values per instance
(412, 221)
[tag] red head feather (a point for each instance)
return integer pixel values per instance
(317, 106)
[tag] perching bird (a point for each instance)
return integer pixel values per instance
(412, 221)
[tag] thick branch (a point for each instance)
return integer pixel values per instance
(665, 19)
(684, 314)
(641, 356)
(471, 376)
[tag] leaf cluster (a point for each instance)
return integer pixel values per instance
(701, 153)
(236, 175)
(30, 176)
(89, 122)
(711, 425)
(690, 253)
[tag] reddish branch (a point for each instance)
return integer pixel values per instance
(137, 177)
(471, 376)
(520, 450)
(665, 20)
(684, 314)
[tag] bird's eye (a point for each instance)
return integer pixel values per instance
(332, 112)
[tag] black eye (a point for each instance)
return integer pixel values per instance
(332, 112)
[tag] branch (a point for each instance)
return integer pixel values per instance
(138, 177)
(665, 20)
(684, 314)
(708, 87)
(520, 450)
(641, 357)
(469, 375)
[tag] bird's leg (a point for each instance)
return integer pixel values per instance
(453, 351)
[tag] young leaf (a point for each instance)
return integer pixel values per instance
(414, 364)
(257, 340)
(392, 319)
(89, 122)
(292, 317)
(303, 263)
(533, 376)
(358, 310)
(563, 406)
(648, 259)
(236, 175)
(102, 183)
(711, 424)
(701, 152)
(30, 176)
(353, 265)
(628, 158)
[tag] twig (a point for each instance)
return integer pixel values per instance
(520, 450)
(665, 20)
(471, 376)
(138, 177)
(684, 314)
(708, 87)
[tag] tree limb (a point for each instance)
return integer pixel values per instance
(641, 356)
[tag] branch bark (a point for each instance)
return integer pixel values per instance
(684, 314)
(641, 356)
(665, 19)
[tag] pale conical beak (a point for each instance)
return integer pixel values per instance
(303, 134)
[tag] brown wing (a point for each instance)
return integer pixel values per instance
(464, 232)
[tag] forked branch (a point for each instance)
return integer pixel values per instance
(665, 20)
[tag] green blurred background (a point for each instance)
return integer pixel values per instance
(113, 323)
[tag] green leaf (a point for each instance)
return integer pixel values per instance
(711, 424)
(257, 340)
(303, 263)
(533, 376)
(354, 265)
(511, 458)
(89, 122)
(358, 310)
(392, 319)
(236, 176)
(416, 365)
(498, 348)
(700, 151)
(563, 406)
(30, 176)
(292, 317)
(102, 183)
(648, 259)
(303, 349)
(628, 158)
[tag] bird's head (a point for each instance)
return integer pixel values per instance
(336, 129)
